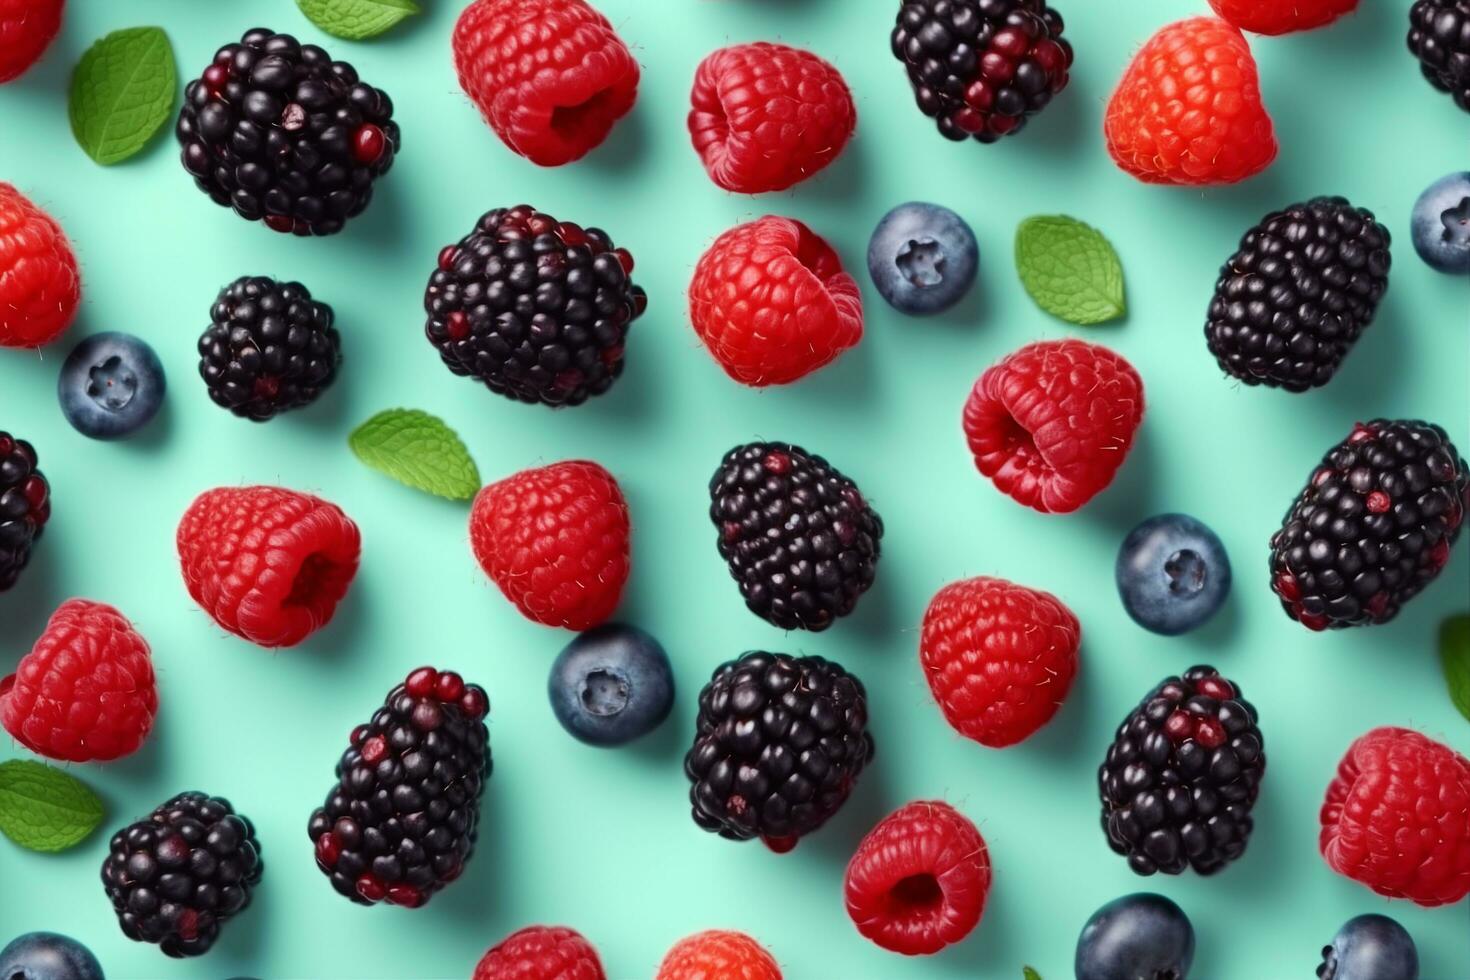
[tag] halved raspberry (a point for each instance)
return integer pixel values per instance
(718, 954)
(541, 953)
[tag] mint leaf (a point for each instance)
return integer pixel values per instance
(356, 20)
(1069, 269)
(44, 809)
(418, 449)
(122, 91)
(1454, 656)
(1028, 973)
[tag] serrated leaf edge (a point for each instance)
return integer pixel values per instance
(412, 472)
(171, 67)
(83, 820)
(380, 21)
(1113, 307)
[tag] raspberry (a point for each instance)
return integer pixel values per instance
(718, 954)
(999, 657)
(541, 953)
(551, 77)
(555, 539)
(1188, 109)
(1275, 17)
(39, 283)
(1397, 817)
(1051, 423)
(269, 564)
(766, 116)
(85, 692)
(771, 302)
(919, 879)
(27, 28)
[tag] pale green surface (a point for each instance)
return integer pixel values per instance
(600, 839)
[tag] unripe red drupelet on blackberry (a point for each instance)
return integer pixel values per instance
(1181, 776)
(280, 132)
(537, 309)
(1439, 36)
(401, 822)
(25, 506)
(1372, 527)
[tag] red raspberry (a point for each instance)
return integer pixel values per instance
(919, 879)
(999, 657)
(541, 953)
(1397, 817)
(718, 955)
(1051, 423)
(269, 564)
(555, 539)
(1188, 110)
(1275, 17)
(27, 28)
(39, 283)
(551, 77)
(85, 692)
(771, 302)
(766, 116)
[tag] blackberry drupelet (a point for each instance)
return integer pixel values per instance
(1181, 776)
(1372, 527)
(402, 820)
(1439, 36)
(1294, 298)
(280, 132)
(982, 68)
(537, 309)
(25, 506)
(778, 744)
(798, 536)
(269, 348)
(176, 877)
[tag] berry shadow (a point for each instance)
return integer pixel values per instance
(872, 799)
(1364, 386)
(840, 182)
(482, 885)
(1132, 495)
(349, 630)
(1060, 739)
(991, 950)
(625, 148)
(1219, 634)
(28, 605)
(1067, 128)
(849, 383)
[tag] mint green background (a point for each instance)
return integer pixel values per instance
(601, 840)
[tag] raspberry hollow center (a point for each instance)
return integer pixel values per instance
(916, 894)
(315, 572)
(574, 122)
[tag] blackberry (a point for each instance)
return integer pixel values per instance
(1294, 298)
(778, 744)
(25, 506)
(280, 132)
(537, 309)
(1372, 527)
(178, 876)
(1439, 36)
(401, 822)
(1181, 776)
(269, 347)
(982, 68)
(798, 536)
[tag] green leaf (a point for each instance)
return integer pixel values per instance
(44, 809)
(418, 449)
(1070, 269)
(1454, 655)
(122, 92)
(356, 20)
(1029, 973)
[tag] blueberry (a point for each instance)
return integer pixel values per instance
(1173, 574)
(1441, 224)
(48, 956)
(110, 386)
(922, 258)
(611, 685)
(1136, 937)
(1370, 947)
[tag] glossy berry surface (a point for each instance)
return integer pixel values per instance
(111, 385)
(541, 953)
(1142, 936)
(718, 953)
(1173, 574)
(27, 28)
(1370, 947)
(48, 956)
(40, 285)
(25, 506)
(1273, 17)
(611, 684)
(922, 258)
(1440, 224)
(1439, 36)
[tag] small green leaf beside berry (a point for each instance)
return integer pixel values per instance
(43, 808)
(356, 20)
(1029, 973)
(1070, 269)
(1454, 656)
(417, 449)
(122, 92)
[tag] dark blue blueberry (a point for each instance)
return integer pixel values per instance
(48, 956)
(1370, 947)
(110, 386)
(1173, 574)
(1136, 937)
(1441, 224)
(611, 685)
(922, 258)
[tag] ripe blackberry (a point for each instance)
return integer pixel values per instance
(778, 744)
(1294, 298)
(280, 132)
(269, 348)
(981, 68)
(798, 536)
(25, 506)
(537, 309)
(1439, 36)
(1181, 776)
(1372, 527)
(402, 820)
(176, 877)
